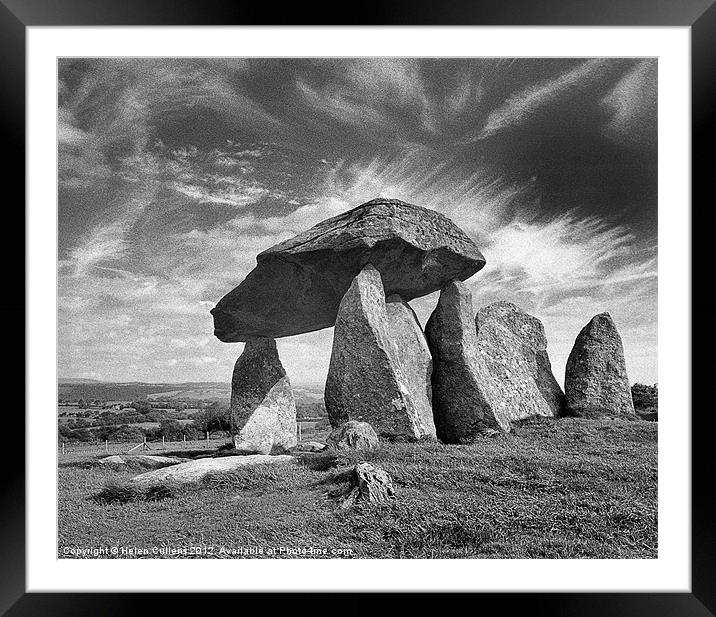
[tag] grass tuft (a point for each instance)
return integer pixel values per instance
(119, 492)
(247, 478)
(127, 492)
(439, 539)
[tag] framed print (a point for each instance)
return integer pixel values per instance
(363, 307)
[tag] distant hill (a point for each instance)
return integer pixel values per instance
(77, 380)
(71, 390)
(74, 389)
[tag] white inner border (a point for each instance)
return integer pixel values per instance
(671, 571)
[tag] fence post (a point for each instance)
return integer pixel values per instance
(106, 447)
(299, 431)
(163, 446)
(63, 447)
(207, 439)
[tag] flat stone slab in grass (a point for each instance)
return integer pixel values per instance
(145, 460)
(297, 285)
(196, 470)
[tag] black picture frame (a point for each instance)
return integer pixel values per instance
(699, 15)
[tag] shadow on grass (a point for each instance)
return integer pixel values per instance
(227, 449)
(131, 463)
(79, 465)
(127, 492)
(332, 459)
(322, 461)
(188, 454)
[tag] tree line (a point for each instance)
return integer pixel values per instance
(122, 426)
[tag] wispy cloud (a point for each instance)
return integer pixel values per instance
(167, 224)
(633, 104)
(522, 106)
(380, 96)
(113, 111)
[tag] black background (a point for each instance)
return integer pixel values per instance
(16, 15)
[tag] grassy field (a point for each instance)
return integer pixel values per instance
(567, 488)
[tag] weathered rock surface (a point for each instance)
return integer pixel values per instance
(371, 484)
(595, 381)
(414, 362)
(462, 396)
(140, 460)
(194, 471)
(298, 284)
(514, 365)
(380, 364)
(353, 435)
(263, 409)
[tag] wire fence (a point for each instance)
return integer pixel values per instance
(135, 447)
(304, 431)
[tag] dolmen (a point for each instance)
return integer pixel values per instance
(595, 380)
(356, 271)
(465, 376)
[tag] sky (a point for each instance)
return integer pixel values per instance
(175, 173)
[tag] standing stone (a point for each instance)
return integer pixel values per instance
(263, 410)
(462, 396)
(413, 359)
(596, 381)
(380, 364)
(512, 352)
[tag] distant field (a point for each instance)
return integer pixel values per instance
(203, 394)
(568, 488)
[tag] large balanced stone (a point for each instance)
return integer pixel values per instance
(463, 396)
(263, 410)
(513, 360)
(380, 364)
(297, 285)
(595, 381)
